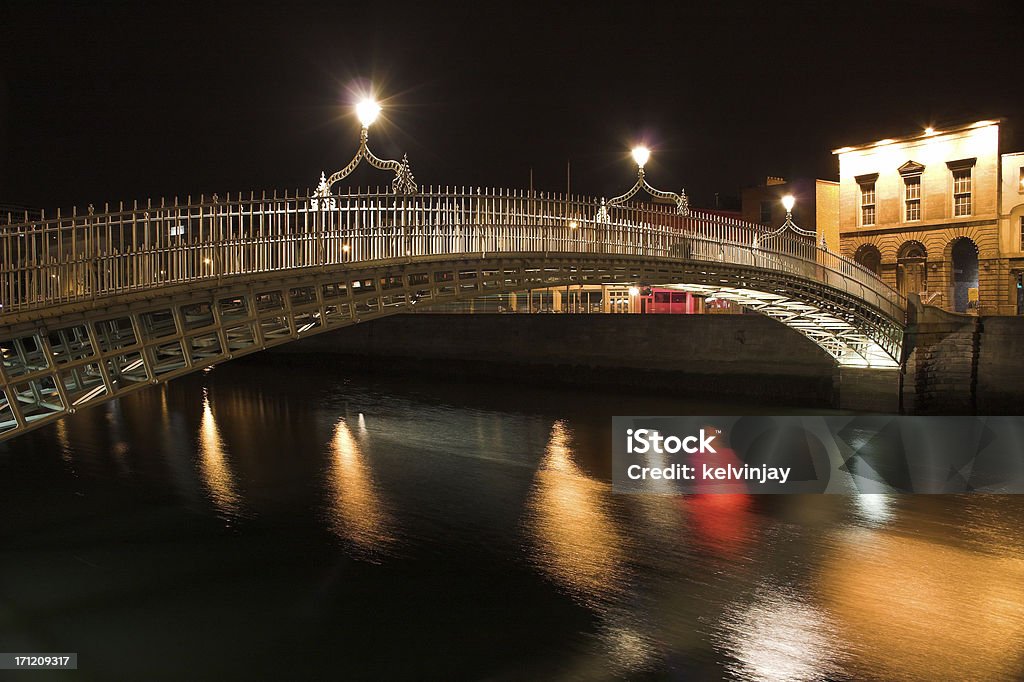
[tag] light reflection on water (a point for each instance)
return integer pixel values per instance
(214, 467)
(500, 502)
(775, 634)
(358, 513)
(919, 609)
(577, 543)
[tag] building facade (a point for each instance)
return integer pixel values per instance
(925, 213)
(1011, 224)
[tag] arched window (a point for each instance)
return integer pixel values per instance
(870, 257)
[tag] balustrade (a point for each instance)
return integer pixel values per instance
(86, 256)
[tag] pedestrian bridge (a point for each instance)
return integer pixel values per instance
(99, 303)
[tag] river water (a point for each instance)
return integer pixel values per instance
(283, 519)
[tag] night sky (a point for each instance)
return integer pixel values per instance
(105, 101)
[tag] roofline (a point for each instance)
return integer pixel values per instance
(920, 136)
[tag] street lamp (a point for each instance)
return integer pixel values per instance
(641, 154)
(367, 112)
(787, 202)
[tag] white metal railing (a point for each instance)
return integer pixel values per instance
(89, 255)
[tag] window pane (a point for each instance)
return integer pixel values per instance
(913, 188)
(868, 215)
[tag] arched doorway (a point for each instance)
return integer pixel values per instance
(911, 271)
(870, 257)
(963, 256)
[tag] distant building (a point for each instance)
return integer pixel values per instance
(929, 214)
(816, 207)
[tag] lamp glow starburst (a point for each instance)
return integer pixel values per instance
(367, 111)
(641, 155)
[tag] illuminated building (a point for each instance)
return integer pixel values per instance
(923, 212)
(1011, 226)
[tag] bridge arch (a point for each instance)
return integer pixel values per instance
(96, 305)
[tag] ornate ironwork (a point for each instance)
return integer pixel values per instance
(681, 200)
(403, 182)
(792, 227)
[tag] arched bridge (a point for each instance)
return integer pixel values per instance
(97, 304)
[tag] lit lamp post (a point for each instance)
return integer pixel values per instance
(367, 112)
(641, 155)
(787, 202)
(788, 225)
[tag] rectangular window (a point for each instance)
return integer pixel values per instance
(867, 203)
(1020, 185)
(912, 198)
(1022, 233)
(962, 192)
(766, 213)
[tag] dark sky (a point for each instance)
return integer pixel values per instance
(106, 101)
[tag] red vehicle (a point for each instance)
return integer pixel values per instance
(669, 301)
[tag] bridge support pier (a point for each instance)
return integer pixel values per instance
(867, 389)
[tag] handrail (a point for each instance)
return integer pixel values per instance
(84, 256)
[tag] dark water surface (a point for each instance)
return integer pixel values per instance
(272, 519)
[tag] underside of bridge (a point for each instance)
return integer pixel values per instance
(61, 359)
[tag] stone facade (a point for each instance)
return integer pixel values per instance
(1011, 226)
(963, 364)
(899, 216)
